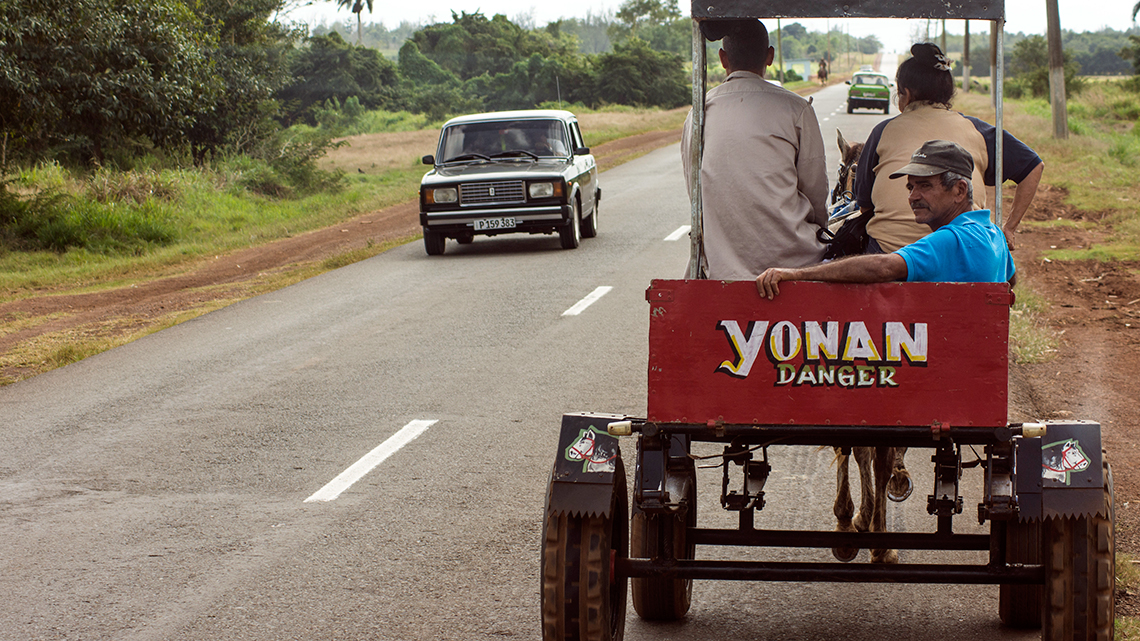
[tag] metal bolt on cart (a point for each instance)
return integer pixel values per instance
(917, 365)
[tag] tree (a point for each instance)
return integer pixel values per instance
(1131, 53)
(473, 45)
(330, 69)
(635, 74)
(249, 62)
(1029, 68)
(869, 45)
(99, 73)
(634, 14)
(357, 8)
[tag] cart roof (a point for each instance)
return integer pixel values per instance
(949, 9)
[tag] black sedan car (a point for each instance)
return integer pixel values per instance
(510, 172)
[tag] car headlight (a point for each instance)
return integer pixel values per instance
(443, 195)
(541, 190)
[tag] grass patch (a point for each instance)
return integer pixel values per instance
(1097, 164)
(1127, 580)
(1127, 629)
(1030, 338)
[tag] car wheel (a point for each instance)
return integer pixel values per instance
(590, 225)
(571, 233)
(850, 107)
(887, 108)
(434, 242)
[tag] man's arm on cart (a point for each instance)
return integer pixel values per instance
(964, 245)
(869, 268)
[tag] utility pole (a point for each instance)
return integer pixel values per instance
(966, 59)
(944, 36)
(1056, 71)
(780, 49)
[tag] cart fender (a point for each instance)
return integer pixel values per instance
(1060, 474)
(586, 467)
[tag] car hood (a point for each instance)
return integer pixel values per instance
(503, 170)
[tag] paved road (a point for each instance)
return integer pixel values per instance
(167, 489)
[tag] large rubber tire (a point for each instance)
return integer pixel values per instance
(662, 599)
(1019, 605)
(1080, 574)
(590, 225)
(887, 108)
(850, 107)
(582, 599)
(434, 242)
(570, 234)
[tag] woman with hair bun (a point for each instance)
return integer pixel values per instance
(925, 89)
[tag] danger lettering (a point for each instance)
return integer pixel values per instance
(829, 353)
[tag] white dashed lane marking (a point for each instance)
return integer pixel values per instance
(357, 470)
(581, 305)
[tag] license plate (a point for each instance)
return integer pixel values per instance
(485, 224)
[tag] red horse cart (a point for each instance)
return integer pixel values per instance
(916, 365)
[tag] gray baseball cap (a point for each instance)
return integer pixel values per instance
(938, 157)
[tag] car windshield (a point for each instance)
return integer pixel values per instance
(499, 139)
(871, 80)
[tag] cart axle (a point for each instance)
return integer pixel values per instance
(832, 572)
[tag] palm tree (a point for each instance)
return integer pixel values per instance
(357, 7)
(1135, 10)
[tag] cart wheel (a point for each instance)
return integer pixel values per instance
(663, 599)
(583, 599)
(1080, 574)
(570, 235)
(1019, 606)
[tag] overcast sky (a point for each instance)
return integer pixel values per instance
(1021, 15)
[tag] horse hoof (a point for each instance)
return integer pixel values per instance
(904, 495)
(845, 555)
(884, 556)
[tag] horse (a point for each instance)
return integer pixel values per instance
(890, 477)
(822, 73)
(848, 165)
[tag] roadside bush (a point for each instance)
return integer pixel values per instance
(55, 221)
(292, 158)
(790, 75)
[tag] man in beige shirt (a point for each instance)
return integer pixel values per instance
(763, 175)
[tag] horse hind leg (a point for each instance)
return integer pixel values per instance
(884, 460)
(863, 519)
(843, 508)
(901, 485)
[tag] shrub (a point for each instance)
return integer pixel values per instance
(55, 221)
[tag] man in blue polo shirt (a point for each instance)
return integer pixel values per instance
(964, 246)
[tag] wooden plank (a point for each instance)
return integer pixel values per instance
(949, 9)
(828, 354)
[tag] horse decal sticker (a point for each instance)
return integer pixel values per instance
(595, 456)
(1059, 460)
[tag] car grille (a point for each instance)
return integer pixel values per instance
(494, 193)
